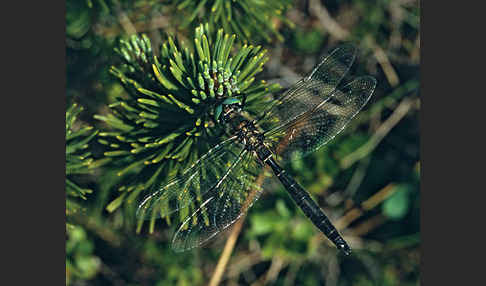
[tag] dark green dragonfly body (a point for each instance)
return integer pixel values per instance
(226, 181)
(299, 194)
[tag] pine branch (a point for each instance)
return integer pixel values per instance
(78, 158)
(167, 118)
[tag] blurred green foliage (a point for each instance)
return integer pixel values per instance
(367, 179)
(396, 206)
(81, 264)
(307, 42)
(78, 158)
(251, 20)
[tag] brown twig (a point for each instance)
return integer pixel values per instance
(96, 226)
(277, 264)
(140, 26)
(242, 262)
(128, 24)
(415, 54)
(386, 66)
(367, 205)
(338, 32)
(331, 26)
(123, 19)
(228, 249)
(235, 232)
(357, 212)
(292, 273)
(401, 110)
(368, 225)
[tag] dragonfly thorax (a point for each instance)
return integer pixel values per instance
(249, 135)
(230, 111)
(245, 129)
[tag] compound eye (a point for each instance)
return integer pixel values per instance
(231, 100)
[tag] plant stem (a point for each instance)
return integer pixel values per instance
(235, 232)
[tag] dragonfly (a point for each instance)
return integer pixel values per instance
(226, 181)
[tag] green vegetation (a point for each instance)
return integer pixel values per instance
(142, 105)
(251, 20)
(78, 158)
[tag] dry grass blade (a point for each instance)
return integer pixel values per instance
(338, 32)
(401, 110)
(235, 232)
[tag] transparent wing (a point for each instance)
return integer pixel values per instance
(311, 90)
(193, 183)
(223, 204)
(318, 125)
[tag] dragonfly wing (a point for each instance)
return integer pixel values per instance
(311, 90)
(225, 203)
(319, 125)
(192, 183)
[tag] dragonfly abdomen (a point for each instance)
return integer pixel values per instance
(308, 206)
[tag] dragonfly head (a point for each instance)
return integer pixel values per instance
(229, 105)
